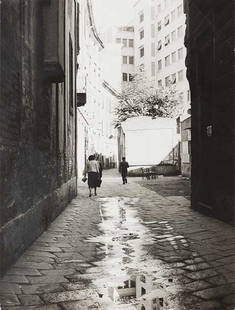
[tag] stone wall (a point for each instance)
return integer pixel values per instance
(210, 60)
(38, 122)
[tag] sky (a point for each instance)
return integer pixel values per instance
(112, 12)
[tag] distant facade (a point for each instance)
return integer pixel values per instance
(210, 55)
(145, 38)
(38, 126)
(96, 133)
(160, 53)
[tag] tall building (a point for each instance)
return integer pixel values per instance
(38, 125)
(145, 36)
(96, 133)
(160, 53)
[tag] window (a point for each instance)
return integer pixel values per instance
(153, 54)
(167, 61)
(153, 31)
(141, 34)
(141, 16)
(124, 60)
(133, 283)
(173, 15)
(180, 31)
(131, 43)
(180, 10)
(131, 77)
(118, 40)
(159, 26)
(173, 57)
(167, 40)
(180, 53)
(159, 83)
(167, 81)
(131, 60)
(159, 45)
(141, 51)
(153, 68)
(124, 42)
(167, 20)
(161, 302)
(159, 65)
(173, 36)
(173, 78)
(180, 75)
(124, 77)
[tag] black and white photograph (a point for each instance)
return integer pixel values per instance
(117, 155)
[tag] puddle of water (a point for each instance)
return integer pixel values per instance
(127, 277)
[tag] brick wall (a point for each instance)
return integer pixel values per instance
(37, 131)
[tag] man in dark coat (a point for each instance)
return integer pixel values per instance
(123, 169)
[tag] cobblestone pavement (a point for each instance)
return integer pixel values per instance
(127, 248)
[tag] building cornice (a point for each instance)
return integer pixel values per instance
(92, 23)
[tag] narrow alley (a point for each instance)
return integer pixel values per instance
(138, 249)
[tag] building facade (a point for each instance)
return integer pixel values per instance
(160, 53)
(38, 126)
(210, 58)
(96, 133)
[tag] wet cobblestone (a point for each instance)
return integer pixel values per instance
(72, 264)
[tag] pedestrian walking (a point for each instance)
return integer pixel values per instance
(92, 169)
(123, 169)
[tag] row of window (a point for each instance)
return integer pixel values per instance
(126, 42)
(179, 33)
(170, 17)
(172, 79)
(127, 77)
(128, 60)
(171, 58)
(166, 4)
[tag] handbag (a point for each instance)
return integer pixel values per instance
(84, 179)
(99, 181)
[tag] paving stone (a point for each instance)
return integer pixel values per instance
(23, 271)
(34, 289)
(199, 275)
(15, 279)
(9, 288)
(39, 253)
(35, 259)
(68, 296)
(45, 266)
(47, 279)
(214, 293)
(9, 300)
(46, 249)
(30, 300)
(82, 305)
(197, 285)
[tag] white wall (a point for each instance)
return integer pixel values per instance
(149, 141)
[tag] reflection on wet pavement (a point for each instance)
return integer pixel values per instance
(129, 277)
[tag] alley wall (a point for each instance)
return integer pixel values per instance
(38, 119)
